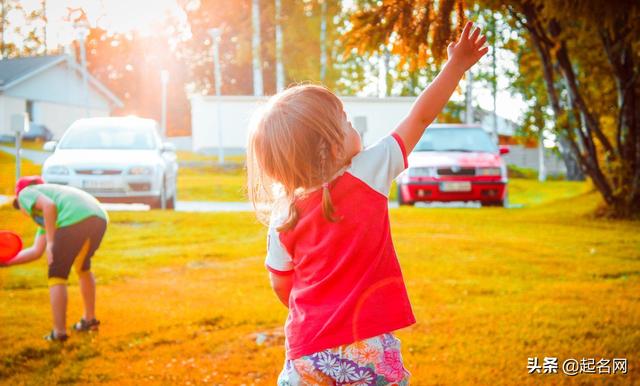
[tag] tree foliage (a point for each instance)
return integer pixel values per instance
(26, 38)
(416, 31)
(594, 48)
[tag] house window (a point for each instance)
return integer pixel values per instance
(30, 110)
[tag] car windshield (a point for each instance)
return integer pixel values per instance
(459, 139)
(109, 138)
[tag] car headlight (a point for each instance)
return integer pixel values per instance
(496, 172)
(57, 170)
(422, 172)
(141, 171)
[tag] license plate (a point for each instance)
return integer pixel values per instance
(97, 184)
(457, 186)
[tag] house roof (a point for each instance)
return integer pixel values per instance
(12, 70)
(16, 70)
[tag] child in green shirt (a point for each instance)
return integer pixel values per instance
(71, 226)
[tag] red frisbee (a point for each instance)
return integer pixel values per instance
(10, 245)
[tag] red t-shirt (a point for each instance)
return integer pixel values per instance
(347, 283)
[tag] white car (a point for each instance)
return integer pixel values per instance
(116, 159)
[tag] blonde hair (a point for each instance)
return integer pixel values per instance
(296, 143)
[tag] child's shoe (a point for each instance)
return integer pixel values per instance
(87, 325)
(53, 337)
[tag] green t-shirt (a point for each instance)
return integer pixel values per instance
(73, 205)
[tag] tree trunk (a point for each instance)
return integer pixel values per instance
(574, 171)
(279, 64)
(258, 88)
(569, 156)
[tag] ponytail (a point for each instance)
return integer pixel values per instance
(327, 210)
(327, 206)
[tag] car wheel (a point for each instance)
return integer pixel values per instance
(401, 200)
(502, 203)
(155, 202)
(170, 203)
(505, 202)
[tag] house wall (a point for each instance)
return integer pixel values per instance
(58, 99)
(61, 85)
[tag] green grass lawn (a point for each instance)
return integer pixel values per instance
(183, 296)
(212, 183)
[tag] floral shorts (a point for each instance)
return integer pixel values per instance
(374, 361)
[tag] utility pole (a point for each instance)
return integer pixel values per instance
(215, 36)
(258, 88)
(542, 171)
(82, 30)
(164, 81)
(279, 64)
(20, 125)
(4, 5)
(468, 97)
(323, 40)
(495, 78)
(386, 59)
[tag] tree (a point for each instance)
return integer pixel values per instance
(301, 47)
(25, 37)
(528, 82)
(596, 50)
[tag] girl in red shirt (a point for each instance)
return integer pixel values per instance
(330, 255)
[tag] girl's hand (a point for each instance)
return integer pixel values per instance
(468, 49)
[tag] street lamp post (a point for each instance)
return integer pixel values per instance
(215, 36)
(20, 125)
(164, 80)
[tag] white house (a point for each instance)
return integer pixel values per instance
(372, 117)
(51, 90)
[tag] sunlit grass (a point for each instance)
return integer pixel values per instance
(189, 156)
(182, 297)
(29, 145)
(212, 183)
(8, 172)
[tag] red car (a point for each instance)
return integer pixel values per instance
(455, 162)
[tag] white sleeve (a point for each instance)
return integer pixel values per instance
(278, 260)
(380, 163)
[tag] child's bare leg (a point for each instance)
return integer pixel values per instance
(58, 297)
(88, 291)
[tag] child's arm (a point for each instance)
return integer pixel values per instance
(29, 254)
(281, 285)
(50, 215)
(462, 55)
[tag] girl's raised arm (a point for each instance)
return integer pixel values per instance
(462, 55)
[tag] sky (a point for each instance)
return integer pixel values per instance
(129, 15)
